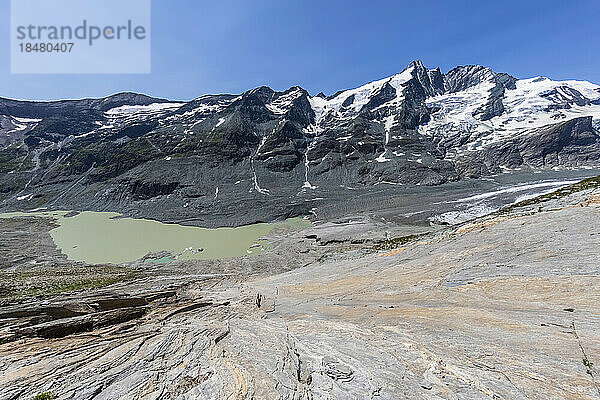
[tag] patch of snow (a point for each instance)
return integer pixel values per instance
(107, 126)
(388, 183)
(254, 176)
(149, 109)
(382, 158)
(257, 186)
(388, 125)
(526, 109)
(358, 97)
(516, 189)
(283, 103)
(83, 134)
(307, 184)
(27, 120)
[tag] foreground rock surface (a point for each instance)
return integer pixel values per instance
(501, 307)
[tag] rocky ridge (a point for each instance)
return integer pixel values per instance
(273, 153)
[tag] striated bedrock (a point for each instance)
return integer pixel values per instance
(279, 150)
(499, 307)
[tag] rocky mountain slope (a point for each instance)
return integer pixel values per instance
(271, 154)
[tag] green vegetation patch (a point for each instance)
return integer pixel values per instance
(45, 396)
(588, 366)
(66, 287)
(126, 157)
(60, 279)
(397, 242)
(589, 183)
(12, 158)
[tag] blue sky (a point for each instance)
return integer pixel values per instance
(201, 47)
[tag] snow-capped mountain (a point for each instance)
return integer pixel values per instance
(133, 152)
(511, 109)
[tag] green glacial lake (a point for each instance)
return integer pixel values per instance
(103, 237)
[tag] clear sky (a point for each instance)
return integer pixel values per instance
(229, 46)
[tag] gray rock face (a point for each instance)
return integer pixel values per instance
(499, 307)
(271, 153)
(463, 78)
(569, 144)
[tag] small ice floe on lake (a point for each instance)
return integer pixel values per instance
(255, 247)
(192, 250)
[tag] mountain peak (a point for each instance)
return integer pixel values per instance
(416, 64)
(416, 127)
